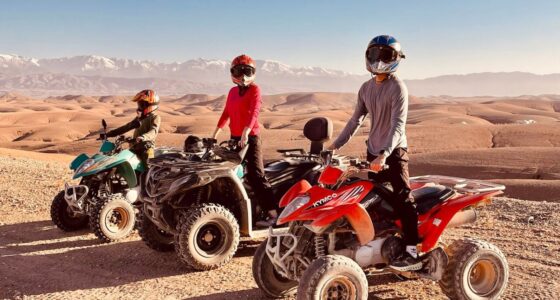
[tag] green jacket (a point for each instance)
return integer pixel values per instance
(146, 127)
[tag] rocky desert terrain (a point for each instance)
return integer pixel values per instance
(515, 141)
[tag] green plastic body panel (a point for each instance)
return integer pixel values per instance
(126, 163)
(78, 161)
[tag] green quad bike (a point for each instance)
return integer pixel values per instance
(106, 195)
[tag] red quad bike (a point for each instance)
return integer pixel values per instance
(346, 224)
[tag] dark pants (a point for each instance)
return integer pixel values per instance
(255, 174)
(402, 201)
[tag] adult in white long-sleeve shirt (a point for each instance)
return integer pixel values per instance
(385, 99)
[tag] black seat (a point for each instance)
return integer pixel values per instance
(430, 196)
(318, 131)
(276, 166)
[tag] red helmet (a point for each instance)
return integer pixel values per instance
(147, 100)
(243, 70)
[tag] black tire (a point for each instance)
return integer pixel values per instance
(152, 236)
(476, 270)
(269, 281)
(333, 277)
(63, 218)
(207, 237)
(113, 219)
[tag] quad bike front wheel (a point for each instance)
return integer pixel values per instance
(207, 237)
(112, 219)
(63, 217)
(476, 270)
(333, 277)
(269, 281)
(152, 236)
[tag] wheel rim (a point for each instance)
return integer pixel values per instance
(117, 219)
(483, 277)
(339, 288)
(210, 239)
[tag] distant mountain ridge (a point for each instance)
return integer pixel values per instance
(94, 74)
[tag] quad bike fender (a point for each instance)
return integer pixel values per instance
(78, 161)
(434, 225)
(104, 163)
(127, 172)
(244, 218)
(358, 218)
(299, 188)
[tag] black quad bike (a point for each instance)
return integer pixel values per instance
(201, 208)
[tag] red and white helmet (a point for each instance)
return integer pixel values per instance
(243, 70)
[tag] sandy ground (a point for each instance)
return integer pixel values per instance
(38, 261)
(514, 141)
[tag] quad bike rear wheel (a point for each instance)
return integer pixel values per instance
(476, 270)
(152, 236)
(207, 236)
(112, 219)
(269, 281)
(333, 277)
(63, 217)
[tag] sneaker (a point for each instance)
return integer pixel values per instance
(406, 263)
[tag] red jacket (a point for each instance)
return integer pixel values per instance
(242, 111)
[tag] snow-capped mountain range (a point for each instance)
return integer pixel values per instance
(99, 75)
(129, 68)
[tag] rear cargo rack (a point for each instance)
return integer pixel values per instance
(460, 184)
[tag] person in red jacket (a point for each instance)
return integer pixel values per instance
(242, 110)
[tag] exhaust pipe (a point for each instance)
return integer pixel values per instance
(463, 217)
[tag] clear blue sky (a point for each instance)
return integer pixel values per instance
(439, 37)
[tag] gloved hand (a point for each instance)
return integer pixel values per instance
(102, 137)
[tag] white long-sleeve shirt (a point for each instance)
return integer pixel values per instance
(387, 105)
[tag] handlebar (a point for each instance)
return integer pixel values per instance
(363, 165)
(229, 150)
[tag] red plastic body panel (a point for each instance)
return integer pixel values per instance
(330, 175)
(328, 204)
(299, 188)
(434, 221)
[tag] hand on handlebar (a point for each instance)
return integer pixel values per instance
(378, 164)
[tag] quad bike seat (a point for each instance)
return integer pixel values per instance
(318, 131)
(430, 196)
(282, 165)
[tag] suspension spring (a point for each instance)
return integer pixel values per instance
(103, 191)
(319, 246)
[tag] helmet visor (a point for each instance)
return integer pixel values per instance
(142, 105)
(381, 53)
(240, 70)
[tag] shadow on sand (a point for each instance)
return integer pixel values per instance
(37, 258)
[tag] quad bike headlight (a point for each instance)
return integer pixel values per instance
(298, 202)
(85, 165)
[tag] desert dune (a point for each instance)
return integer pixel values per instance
(480, 137)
